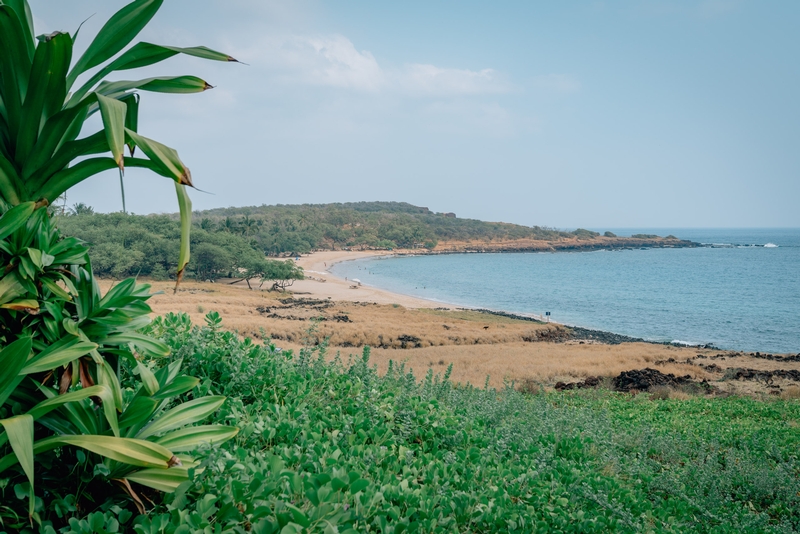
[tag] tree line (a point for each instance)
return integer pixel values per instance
(147, 245)
(233, 242)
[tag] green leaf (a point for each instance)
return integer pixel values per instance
(46, 92)
(115, 35)
(126, 450)
(57, 184)
(179, 386)
(14, 68)
(359, 485)
(107, 377)
(145, 54)
(166, 480)
(184, 414)
(60, 129)
(23, 11)
(51, 357)
(113, 113)
(10, 287)
(12, 360)
(163, 84)
(138, 411)
(144, 343)
(26, 305)
(131, 116)
(20, 436)
(163, 155)
(185, 205)
(10, 184)
(15, 218)
(55, 289)
(148, 378)
(188, 439)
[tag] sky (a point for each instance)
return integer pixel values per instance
(631, 113)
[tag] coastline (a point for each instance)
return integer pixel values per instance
(427, 335)
(323, 284)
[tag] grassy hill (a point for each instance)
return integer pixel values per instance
(225, 240)
(305, 227)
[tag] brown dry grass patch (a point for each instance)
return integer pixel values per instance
(476, 344)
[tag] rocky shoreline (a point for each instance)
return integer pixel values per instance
(577, 333)
(576, 245)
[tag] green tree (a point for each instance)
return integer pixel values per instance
(81, 209)
(282, 274)
(64, 347)
(211, 261)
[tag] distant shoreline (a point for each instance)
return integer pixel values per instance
(530, 245)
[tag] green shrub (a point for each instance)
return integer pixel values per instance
(585, 234)
(327, 444)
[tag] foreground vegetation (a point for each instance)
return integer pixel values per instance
(327, 446)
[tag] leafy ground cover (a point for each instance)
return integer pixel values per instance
(330, 446)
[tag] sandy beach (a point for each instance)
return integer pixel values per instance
(321, 284)
(430, 335)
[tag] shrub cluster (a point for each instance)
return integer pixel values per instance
(329, 446)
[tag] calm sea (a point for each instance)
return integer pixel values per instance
(737, 294)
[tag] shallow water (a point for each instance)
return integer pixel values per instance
(738, 294)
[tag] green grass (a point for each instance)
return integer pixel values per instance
(333, 447)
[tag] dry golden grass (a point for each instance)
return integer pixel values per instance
(535, 363)
(476, 344)
(790, 393)
(666, 392)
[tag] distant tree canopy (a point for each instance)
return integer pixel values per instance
(585, 234)
(285, 229)
(233, 242)
(132, 245)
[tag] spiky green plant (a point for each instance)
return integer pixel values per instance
(62, 344)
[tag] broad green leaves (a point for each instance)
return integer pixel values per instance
(185, 204)
(60, 379)
(19, 430)
(115, 35)
(113, 113)
(64, 347)
(41, 156)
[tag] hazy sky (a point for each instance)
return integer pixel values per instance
(628, 113)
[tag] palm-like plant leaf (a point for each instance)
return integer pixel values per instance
(62, 344)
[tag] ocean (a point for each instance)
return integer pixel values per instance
(740, 292)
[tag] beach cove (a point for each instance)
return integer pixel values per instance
(428, 334)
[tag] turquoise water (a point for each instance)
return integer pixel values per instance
(737, 294)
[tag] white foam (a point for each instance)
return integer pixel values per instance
(770, 245)
(685, 343)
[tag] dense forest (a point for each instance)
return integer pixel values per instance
(229, 241)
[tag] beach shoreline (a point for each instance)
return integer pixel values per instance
(320, 263)
(429, 335)
(321, 283)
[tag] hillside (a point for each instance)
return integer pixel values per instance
(227, 240)
(388, 225)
